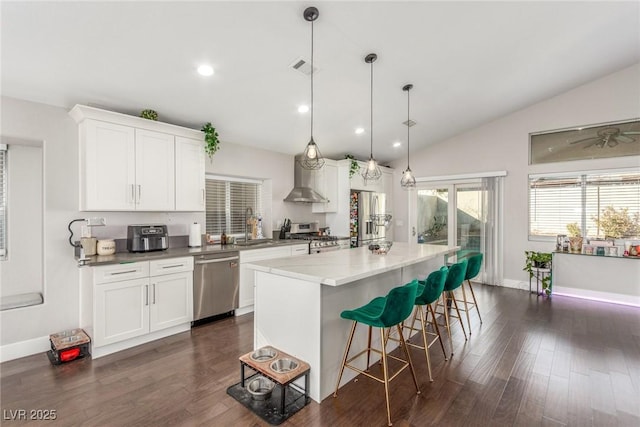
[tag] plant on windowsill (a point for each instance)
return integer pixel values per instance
(575, 237)
(354, 167)
(211, 141)
(535, 259)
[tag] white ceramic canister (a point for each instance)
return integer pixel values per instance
(106, 247)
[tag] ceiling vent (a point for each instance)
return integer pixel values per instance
(409, 123)
(303, 66)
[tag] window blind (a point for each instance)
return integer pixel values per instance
(555, 202)
(3, 201)
(227, 203)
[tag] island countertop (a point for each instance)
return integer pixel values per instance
(337, 268)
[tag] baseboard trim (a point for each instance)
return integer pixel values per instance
(621, 299)
(515, 284)
(24, 348)
(244, 310)
(97, 352)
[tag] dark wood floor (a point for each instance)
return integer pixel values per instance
(532, 362)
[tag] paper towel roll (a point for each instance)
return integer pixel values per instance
(195, 236)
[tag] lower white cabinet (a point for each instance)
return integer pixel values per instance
(138, 302)
(247, 278)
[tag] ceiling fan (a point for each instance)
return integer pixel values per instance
(609, 137)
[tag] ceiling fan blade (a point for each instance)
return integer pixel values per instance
(612, 142)
(631, 132)
(625, 138)
(596, 138)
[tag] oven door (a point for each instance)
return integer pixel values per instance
(321, 249)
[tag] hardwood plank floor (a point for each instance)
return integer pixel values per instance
(533, 362)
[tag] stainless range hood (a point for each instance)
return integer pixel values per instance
(303, 182)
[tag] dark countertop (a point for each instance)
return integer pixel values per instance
(129, 257)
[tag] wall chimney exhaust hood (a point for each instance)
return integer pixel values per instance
(303, 183)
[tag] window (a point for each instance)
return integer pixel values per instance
(227, 203)
(601, 204)
(3, 201)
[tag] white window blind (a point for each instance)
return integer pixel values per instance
(227, 203)
(3, 201)
(582, 198)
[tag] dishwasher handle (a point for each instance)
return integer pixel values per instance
(210, 261)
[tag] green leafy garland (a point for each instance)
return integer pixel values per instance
(354, 167)
(211, 140)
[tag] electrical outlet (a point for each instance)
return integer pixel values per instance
(96, 221)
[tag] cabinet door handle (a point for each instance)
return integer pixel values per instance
(133, 193)
(173, 266)
(139, 193)
(146, 294)
(122, 272)
(154, 293)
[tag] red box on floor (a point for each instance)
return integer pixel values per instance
(68, 345)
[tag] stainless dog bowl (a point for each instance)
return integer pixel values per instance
(260, 388)
(263, 354)
(283, 365)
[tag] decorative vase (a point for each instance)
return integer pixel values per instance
(575, 243)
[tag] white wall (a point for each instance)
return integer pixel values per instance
(503, 145)
(26, 330)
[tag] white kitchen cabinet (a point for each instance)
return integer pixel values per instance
(107, 166)
(155, 176)
(388, 187)
(128, 163)
(326, 184)
(138, 302)
(247, 282)
(357, 182)
(190, 172)
(121, 311)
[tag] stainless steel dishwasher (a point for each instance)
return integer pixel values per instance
(215, 284)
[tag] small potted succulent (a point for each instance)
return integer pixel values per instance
(149, 114)
(575, 237)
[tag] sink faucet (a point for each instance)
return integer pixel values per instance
(248, 213)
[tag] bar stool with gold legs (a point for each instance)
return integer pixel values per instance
(473, 268)
(455, 277)
(382, 312)
(429, 291)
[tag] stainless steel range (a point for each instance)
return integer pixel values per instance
(319, 240)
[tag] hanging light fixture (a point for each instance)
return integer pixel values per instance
(372, 171)
(408, 181)
(311, 159)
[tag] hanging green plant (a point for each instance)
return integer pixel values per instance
(539, 260)
(354, 167)
(211, 140)
(149, 114)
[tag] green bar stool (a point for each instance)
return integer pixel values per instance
(382, 312)
(429, 291)
(473, 269)
(455, 277)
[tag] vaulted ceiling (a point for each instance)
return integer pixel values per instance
(469, 62)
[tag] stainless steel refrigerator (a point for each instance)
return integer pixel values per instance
(367, 220)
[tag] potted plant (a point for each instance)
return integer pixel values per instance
(149, 114)
(535, 260)
(575, 237)
(354, 167)
(211, 141)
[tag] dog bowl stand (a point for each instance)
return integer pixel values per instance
(287, 398)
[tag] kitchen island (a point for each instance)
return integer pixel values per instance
(298, 301)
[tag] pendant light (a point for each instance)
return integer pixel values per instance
(372, 171)
(311, 159)
(408, 181)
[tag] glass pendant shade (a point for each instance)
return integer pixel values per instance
(408, 181)
(372, 172)
(312, 158)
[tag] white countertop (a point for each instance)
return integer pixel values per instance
(336, 268)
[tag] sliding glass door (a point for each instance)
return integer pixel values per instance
(465, 214)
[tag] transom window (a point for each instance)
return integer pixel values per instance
(227, 204)
(598, 204)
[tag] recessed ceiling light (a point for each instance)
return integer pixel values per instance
(205, 70)
(397, 144)
(359, 131)
(303, 109)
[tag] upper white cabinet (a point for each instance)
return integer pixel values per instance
(326, 184)
(190, 168)
(129, 163)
